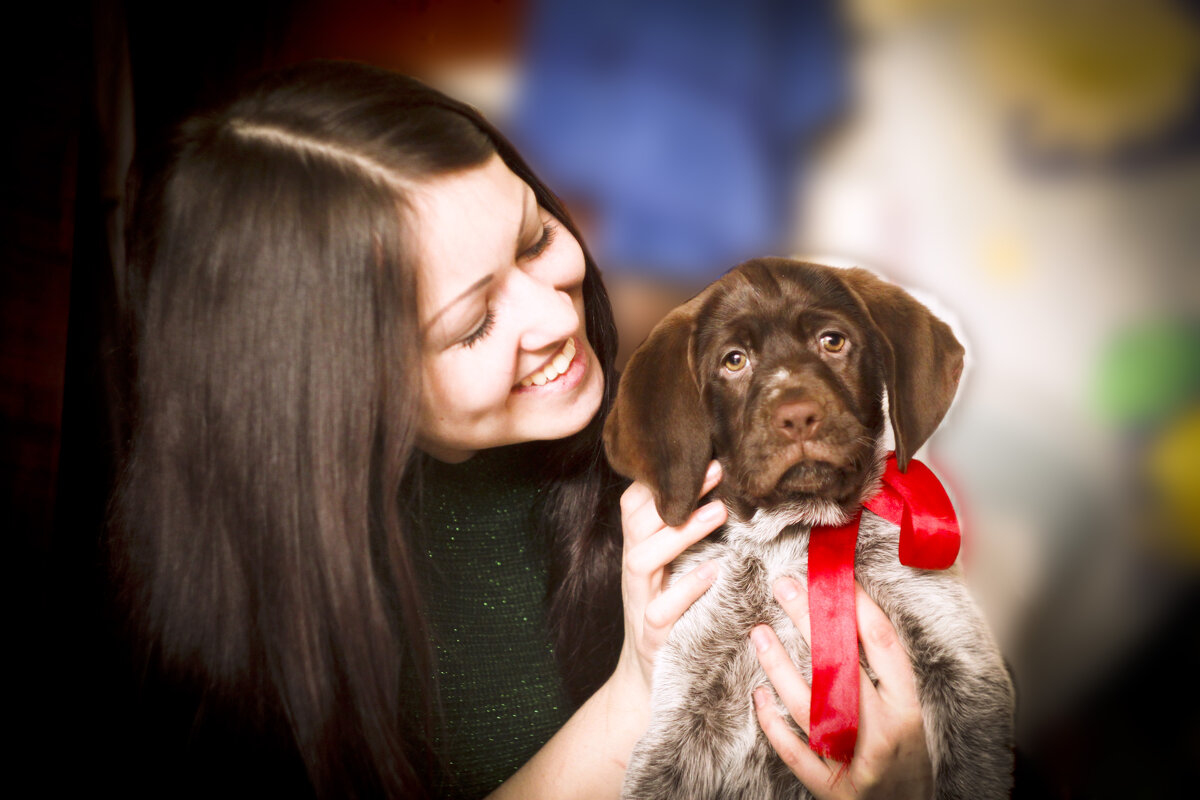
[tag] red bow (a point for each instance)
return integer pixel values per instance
(929, 539)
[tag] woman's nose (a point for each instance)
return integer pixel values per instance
(548, 312)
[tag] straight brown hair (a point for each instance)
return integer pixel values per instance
(260, 535)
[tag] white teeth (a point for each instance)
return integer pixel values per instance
(557, 366)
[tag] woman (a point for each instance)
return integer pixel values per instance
(366, 529)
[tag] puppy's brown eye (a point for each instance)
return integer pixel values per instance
(833, 342)
(734, 360)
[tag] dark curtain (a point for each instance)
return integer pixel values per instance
(95, 80)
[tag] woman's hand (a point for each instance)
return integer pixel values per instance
(890, 757)
(651, 608)
(588, 756)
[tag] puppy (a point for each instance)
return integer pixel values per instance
(788, 374)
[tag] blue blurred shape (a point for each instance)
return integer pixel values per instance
(678, 124)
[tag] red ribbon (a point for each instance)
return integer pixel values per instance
(929, 539)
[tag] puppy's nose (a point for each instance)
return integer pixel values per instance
(798, 420)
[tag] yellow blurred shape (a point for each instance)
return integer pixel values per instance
(1090, 75)
(1174, 471)
(1004, 259)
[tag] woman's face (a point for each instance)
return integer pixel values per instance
(505, 351)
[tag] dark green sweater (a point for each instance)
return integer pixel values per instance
(485, 574)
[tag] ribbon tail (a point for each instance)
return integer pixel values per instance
(833, 725)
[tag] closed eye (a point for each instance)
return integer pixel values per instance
(489, 320)
(549, 230)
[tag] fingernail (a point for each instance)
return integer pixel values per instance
(762, 642)
(760, 697)
(710, 511)
(714, 469)
(786, 590)
(707, 571)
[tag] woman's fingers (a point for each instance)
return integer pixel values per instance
(664, 610)
(806, 765)
(789, 684)
(655, 552)
(890, 757)
(651, 605)
(640, 515)
(711, 478)
(884, 650)
(639, 518)
(792, 597)
(886, 655)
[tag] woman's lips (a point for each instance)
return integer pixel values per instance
(554, 369)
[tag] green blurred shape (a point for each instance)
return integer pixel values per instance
(1150, 371)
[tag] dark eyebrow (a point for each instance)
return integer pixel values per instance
(474, 287)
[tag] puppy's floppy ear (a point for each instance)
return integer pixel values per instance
(658, 431)
(922, 359)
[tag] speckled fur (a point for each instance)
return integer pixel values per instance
(704, 740)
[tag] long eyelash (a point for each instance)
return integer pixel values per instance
(489, 319)
(548, 232)
(483, 330)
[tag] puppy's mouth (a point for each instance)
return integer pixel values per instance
(804, 471)
(809, 477)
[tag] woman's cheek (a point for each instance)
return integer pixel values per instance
(473, 383)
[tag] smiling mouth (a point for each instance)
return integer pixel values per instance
(554, 368)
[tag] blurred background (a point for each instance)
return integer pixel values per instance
(1033, 167)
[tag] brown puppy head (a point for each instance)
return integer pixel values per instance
(779, 370)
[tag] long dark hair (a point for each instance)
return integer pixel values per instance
(260, 527)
